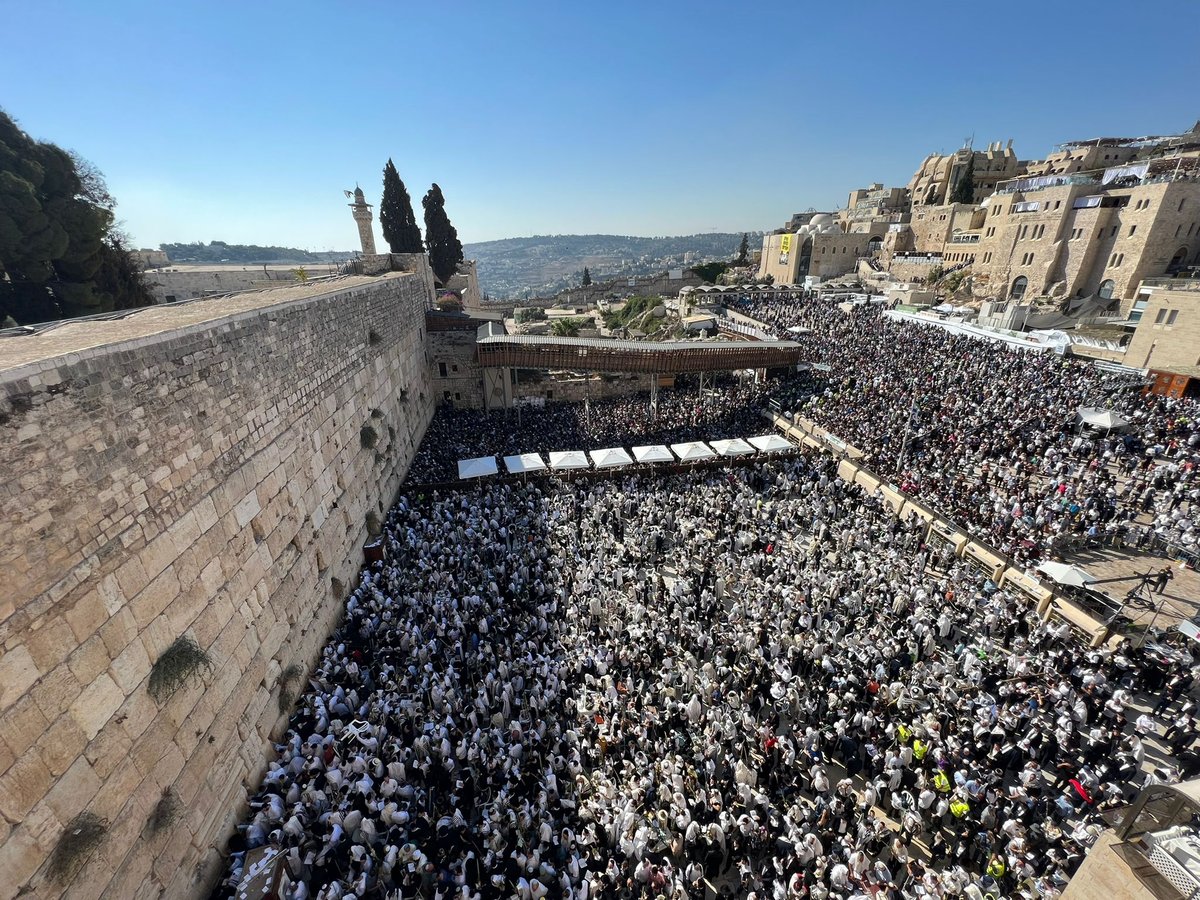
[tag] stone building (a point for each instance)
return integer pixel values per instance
(935, 180)
(1167, 335)
(873, 210)
(1087, 235)
(818, 249)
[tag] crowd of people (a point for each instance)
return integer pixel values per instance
(739, 682)
(724, 408)
(988, 434)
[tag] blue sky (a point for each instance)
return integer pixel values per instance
(245, 121)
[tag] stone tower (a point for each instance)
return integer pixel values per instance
(362, 215)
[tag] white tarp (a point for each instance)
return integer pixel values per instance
(1102, 418)
(568, 459)
(770, 443)
(524, 462)
(610, 458)
(693, 450)
(1060, 573)
(652, 454)
(477, 467)
(732, 447)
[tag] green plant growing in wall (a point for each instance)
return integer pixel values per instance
(368, 437)
(178, 664)
(289, 678)
(166, 812)
(80, 839)
(374, 526)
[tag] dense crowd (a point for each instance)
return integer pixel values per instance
(725, 408)
(988, 434)
(748, 682)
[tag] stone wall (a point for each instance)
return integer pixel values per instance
(214, 481)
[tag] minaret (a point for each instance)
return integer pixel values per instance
(362, 215)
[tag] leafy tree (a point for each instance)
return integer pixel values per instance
(445, 249)
(60, 254)
(711, 271)
(530, 314)
(964, 190)
(743, 256)
(587, 278)
(396, 214)
(566, 327)
(300, 274)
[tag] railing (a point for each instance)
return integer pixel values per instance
(1174, 284)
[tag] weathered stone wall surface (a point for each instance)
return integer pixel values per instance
(214, 481)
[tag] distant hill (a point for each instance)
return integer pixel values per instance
(515, 268)
(219, 252)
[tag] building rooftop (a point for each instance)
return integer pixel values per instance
(24, 347)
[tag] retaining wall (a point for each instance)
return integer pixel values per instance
(216, 482)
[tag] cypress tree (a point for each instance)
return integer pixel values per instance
(964, 190)
(445, 249)
(743, 256)
(587, 277)
(396, 214)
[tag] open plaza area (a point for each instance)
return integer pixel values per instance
(751, 677)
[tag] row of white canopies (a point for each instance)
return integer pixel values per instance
(612, 457)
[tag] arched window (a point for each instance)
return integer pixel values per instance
(1017, 291)
(1106, 289)
(1177, 261)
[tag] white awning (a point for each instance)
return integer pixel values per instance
(652, 454)
(610, 458)
(568, 459)
(693, 450)
(1102, 418)
(477, 467)
(770, 443)
(732, 447)
(1060, 573)
(524, 462)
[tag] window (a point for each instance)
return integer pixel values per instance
(1181, 202)
(170, 298)
(454, 368)
(1132, 229)
(442, 369)
(1106, 289)
(1162, 314)
(457, 395)
(1057, 204)
(1017, 291)
(1120, 258)
(445, 395)
(1174, 314)
(1113, 233)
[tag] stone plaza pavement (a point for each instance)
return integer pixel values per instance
(1180, 600)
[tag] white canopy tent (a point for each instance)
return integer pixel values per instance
(523, 463)
(732, 447)
(1104, 419)
(689, 451)
(652, 454)
(568, 459)
(1061, 573)
(610, 458)
(477, 467)
(770, 443)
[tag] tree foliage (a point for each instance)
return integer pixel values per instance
(743, 256)
(441, 238)
(60, 254)
(711, 271)
(964, 189)
(587, 278)
(396, 214)
(566, 327)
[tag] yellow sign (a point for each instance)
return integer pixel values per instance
(785, 243)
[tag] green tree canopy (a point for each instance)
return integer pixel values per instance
(711, 271)
(60, 254)
(441, 238)
(396, 214)
(587, 278)
(964, 188)
(743, 256)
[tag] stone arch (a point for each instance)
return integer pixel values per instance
(1019, 286)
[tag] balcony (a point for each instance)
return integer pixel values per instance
(1170, 283)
